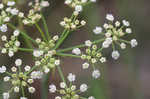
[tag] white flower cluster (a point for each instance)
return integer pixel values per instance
(71, 91)
(7, 11)
(93, 55)
(114, 32)
(11, 46)
(34, 13)
(72, 23)
(44, 56)
(78, 4)
(18, 78)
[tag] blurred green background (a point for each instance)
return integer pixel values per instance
(126, 78)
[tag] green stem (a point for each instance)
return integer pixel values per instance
(23, 93)
(62, 39)
(33, 68)
(69, 55)
(125, 41)
(25, 49)
(45, 27)
(22, 32)
(45, 86)
(79, 46)
(29, 44)
(61, 74)
(99, 50)
(40, 30)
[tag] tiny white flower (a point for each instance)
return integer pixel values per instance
(78, 8)
(14, 11)
(91, 97)
(88, 43)
(21, 14)
(115, 55)
(85, 65)
(129, 30)
(62, 23)
(103, 59)
(16, 89)
(3, 69)
(1, 6)
(93, 0)
(57, 97)
(6, 78)
(44, 4)
(52, 88)
(123, 46)
(17, 43)
(18, 62)
(83, 22)
(62, 85)
(37, 63)
(83, 87)
(10, 3)
(16, 33)
(76, 13)
(68, 2)
(106, 26)
(76, 51)
(93, 60)
(36, 75)
(126, 23)
(31, 89)
(6, 95)
(96, 74)
(133, 43)
(83, 1)
(10, 53)
(6, 19)
(117, 23)
(4, 50)
(97, 30)
(105, 44)
(23, 97)
(8, 9)
(71, 77)
(46, 70)
(73, 87)
(3, 28)
(4, 38)
(108, 35)
(13, 69)
(110, 17)
(57, 62)
(37, 53)
(30, 81)
(27, 68)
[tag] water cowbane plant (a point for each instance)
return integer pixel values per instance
(46, 51)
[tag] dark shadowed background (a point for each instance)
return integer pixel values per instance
(126, 78)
